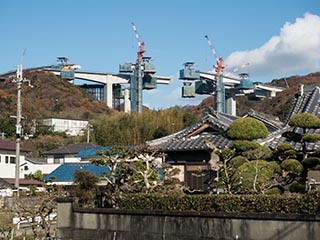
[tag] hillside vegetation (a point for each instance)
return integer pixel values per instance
(52, 96)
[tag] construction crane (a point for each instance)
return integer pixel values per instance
(136, 80)
(220, 83)
(219, 67)
(220, 90)
(142, 75)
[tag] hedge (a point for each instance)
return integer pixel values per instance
(308, 203)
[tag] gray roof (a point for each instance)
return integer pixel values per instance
(309, 102)
(36, 160)
(272, 123)
(213, 125)
(70, 149)
(210, 127)
(11, 146)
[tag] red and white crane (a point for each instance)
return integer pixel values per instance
(140, 44)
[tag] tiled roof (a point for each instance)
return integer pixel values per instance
(9, 145)
(89, 152)
(309, 102)
(70, 149)
(210, 128)
(272, 123)
(66, 171)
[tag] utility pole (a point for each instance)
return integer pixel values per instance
(19, 82)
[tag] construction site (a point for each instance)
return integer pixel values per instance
(124, 90)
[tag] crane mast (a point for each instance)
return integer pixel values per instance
(219, 90)
(137, 77)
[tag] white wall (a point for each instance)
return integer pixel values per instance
(67, 159)
(44, 168)
(71, 127)
(8, 170)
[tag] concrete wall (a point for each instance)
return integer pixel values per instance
(75, 223)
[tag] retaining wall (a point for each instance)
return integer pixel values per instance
(76, 223)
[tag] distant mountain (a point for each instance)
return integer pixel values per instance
(50, 96)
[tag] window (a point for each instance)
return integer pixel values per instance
(58, 159)
(7, 159)
(12, 159)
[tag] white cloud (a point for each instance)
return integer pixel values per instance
(296, 50)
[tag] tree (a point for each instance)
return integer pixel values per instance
(247, 129)
(86, 187)
(304, 122)
(6, 225)
(135, 170)
(39, 213)
(256, 176)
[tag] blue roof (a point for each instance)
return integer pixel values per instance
(91, 151)
(66, 171)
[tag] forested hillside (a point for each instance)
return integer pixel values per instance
(49, 96)
(53, 97)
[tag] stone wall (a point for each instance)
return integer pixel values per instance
(75, 223)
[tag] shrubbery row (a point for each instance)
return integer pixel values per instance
(292, 203)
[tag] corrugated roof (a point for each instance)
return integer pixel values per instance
(66, 171)
(89, 152)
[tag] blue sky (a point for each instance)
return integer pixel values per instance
(278, 38)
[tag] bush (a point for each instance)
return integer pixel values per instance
(292, 166)
(247, 129)
(297, 187)
(311, 161)
(308, 203)
(244, 145)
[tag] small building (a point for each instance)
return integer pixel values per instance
(72, 127)
(8, 159)
(66, 154)
(64, 174)
(190, 150)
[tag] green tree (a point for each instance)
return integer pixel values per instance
(136, 170)
(123, 129)
(86, 187)
(247, 129)
(256, 176)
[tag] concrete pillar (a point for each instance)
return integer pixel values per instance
(65, 218)
(127, 103)
(108, 94)
(231, 105)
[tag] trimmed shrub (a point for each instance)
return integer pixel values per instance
(292, 166)
(244, 145)
(297, 187)
(247, 129)
(308, 203)
(311, 161)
